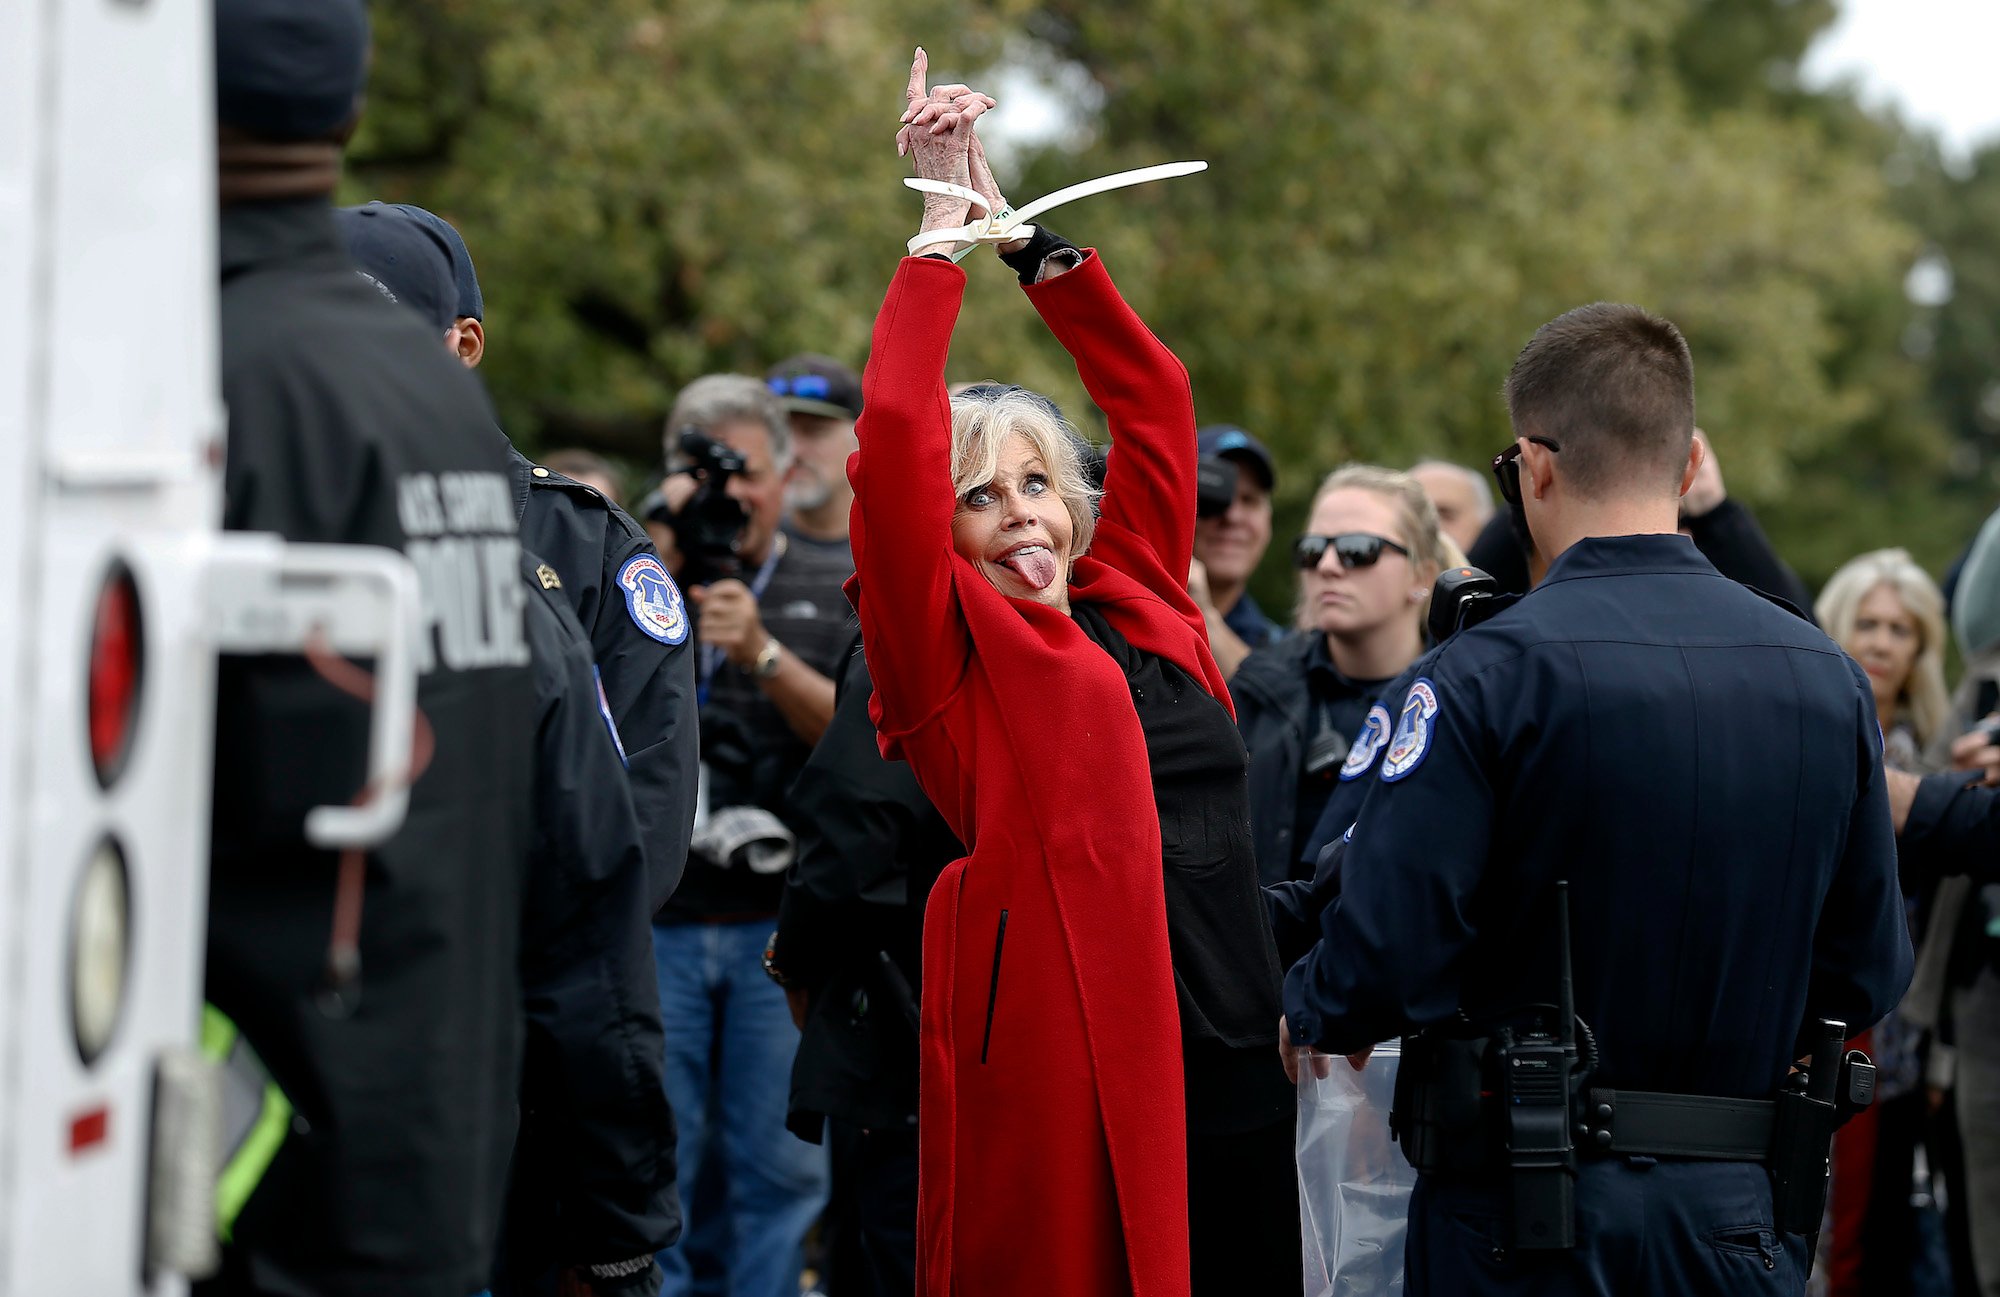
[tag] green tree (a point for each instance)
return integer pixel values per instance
(1399, 193)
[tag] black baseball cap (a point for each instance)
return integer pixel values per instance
(809, 384)
(403, 257)
(470, 302)
(1230, 441)
(289, 69)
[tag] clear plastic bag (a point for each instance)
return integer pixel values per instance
(1354, 1183)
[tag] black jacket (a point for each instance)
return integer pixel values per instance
(1279, 716)
(593, 1177)
(348, 423)
(639, 632)
(851, 923)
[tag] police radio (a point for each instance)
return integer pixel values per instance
(1537, 1085)
(1460, 597)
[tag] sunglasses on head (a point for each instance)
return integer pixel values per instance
(1353, 549)
(1507, 469)
(807, 387)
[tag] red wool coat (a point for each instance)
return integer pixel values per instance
(1052, 1137)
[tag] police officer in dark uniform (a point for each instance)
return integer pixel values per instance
(615, 583)
(1702, 769)
(593, 1183)
(395, 1039)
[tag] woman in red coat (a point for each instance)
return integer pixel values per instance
(1099, 981)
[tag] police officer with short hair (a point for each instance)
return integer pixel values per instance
(611, 575)
(393, 1035)
(1702, 769)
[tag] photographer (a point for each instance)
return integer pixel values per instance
(772, 623)
(1231, 532)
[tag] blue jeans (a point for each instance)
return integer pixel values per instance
(730, 1042)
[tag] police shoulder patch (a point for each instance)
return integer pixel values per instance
(653, 599)
(1414, 729)
(1368, 744)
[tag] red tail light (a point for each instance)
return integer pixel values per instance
(117, 669)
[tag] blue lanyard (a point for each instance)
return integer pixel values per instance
(711, 657)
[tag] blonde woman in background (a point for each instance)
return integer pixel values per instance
(1371, 550)
(1888, 615)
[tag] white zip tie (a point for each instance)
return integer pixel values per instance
(1009, 223)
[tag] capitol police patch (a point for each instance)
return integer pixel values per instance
(1373, 738)
(1412, 741)
(653, 599)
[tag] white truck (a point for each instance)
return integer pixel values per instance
(117, 594)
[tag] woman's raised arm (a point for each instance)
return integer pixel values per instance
(903, 501)
(1142, 387)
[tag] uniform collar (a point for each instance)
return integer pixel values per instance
(287, 230)
(1605, 555)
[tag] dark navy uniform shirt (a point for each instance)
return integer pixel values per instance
(639, 630)
(593, 1177)
(1703, 767)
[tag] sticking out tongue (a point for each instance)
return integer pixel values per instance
(1035, 566)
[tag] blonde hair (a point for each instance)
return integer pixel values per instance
(984, 422)
(1431, 551)
(1416, 516)
(1839, 607)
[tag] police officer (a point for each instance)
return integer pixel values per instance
(615, 583)
(345, 427)
(1702, 768)
(592, 1189)
(593, 1181)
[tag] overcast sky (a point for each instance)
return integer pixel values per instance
(1936, 59)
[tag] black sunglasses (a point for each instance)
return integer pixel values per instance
(1353, 549)
(1507, 469)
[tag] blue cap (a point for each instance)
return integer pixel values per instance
(403, 257)
(469, 300)
(289, 69)
(1230, 441)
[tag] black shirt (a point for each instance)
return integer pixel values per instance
(1226, 971)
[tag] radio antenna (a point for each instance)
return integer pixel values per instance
(1566, 1032)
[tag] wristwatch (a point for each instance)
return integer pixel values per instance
(766, 664)
(771, 969)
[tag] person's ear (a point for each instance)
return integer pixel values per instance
(467, 341)
(1697, 452)
(1538, 469)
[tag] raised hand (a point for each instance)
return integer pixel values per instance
(947, 108)
(939, 154)
(982, 177)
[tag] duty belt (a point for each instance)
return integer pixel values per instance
(1640, 1123)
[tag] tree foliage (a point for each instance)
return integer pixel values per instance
(1399, 193)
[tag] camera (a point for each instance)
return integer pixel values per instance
(1214, 486)
(710, 525)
